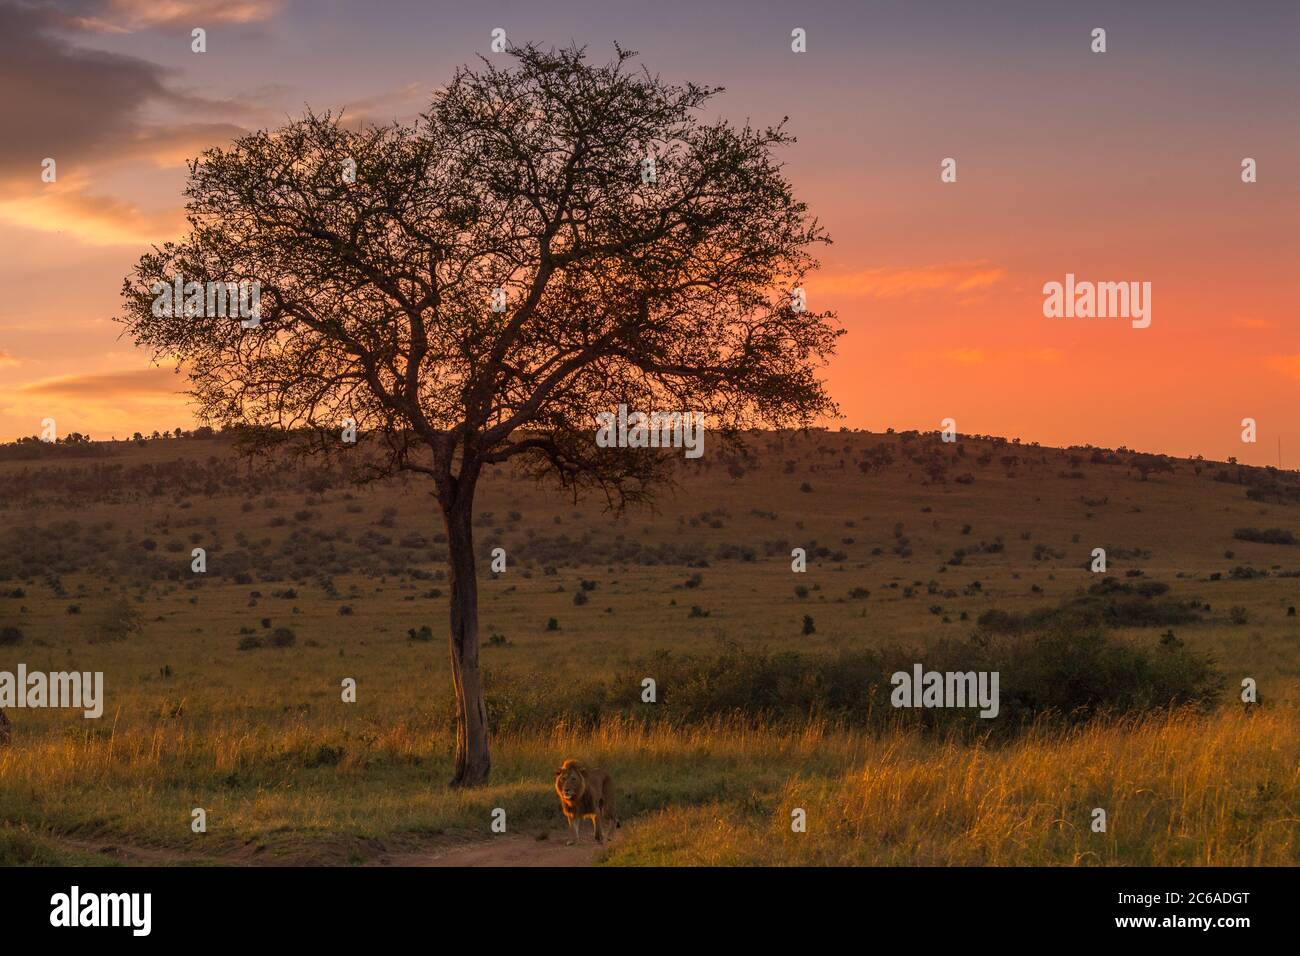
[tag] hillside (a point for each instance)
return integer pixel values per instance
(223, 687)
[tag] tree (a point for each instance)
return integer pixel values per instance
(548, 241)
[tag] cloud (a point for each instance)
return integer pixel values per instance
(970, 355)
(98, 220)
(130, 16)
(1288, 365)
(963, 356)
(73, 102)
(398, 103)
(137, 383)
(81, 107)
(176, 145)
(7, 360)
(1242, 322)
(1047, 356)
(889, 282)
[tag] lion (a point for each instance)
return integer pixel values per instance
(586, 794)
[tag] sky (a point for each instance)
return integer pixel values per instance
(1122, 166)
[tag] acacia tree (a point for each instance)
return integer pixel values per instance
(548, 241)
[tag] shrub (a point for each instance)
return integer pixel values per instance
(283, 637)
(9, 636)
(1059, 676)
(116, 622)
(1265, 535)
(1109, 603)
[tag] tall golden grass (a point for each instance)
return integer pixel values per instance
(1178, 789)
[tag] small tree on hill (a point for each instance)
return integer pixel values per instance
(549, 241)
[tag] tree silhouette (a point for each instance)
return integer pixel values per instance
(548, 241)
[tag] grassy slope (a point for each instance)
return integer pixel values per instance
(260, 739)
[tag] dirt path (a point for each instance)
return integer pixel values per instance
(508, 850)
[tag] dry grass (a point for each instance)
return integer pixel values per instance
(261, 740)
(1179, 790)
(1222, 789)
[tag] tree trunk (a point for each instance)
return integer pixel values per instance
(473, 762)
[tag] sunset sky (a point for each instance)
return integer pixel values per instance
(1122, 166)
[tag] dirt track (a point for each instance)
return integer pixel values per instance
(508, 850)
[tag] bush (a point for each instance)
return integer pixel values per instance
(425, 633)
(249, 643)
(283, 637)
(9, 636)
(1109, 603)
(116, 622)
(1265, 535)
(1055, 676)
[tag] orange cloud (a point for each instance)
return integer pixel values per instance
(1047, 356)
(97, 220)
(965, 356)
(7, 359)
(1245, 323)
(1288, 365)
(973, 356)
(127, 16)
(109, 385)
(174, 147)
(888, 282)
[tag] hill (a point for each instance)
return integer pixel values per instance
(223, 687)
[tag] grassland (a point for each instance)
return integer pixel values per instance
(910, 541)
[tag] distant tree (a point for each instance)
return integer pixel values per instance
(1148, 464)
(550, 240)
